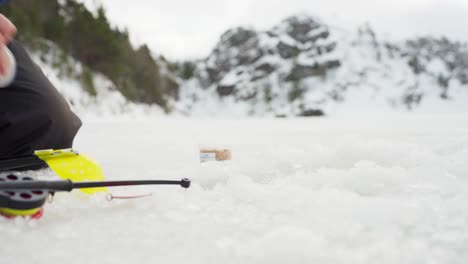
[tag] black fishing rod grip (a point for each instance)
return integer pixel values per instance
(65, 185)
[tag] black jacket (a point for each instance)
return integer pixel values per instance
(33, 114)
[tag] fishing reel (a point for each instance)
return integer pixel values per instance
(25, 196)
(21, 202)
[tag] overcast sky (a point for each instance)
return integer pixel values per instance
(183, 29)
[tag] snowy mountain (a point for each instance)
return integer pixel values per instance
(300, 67)
(305, 67)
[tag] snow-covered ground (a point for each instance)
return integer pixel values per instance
(379, 190)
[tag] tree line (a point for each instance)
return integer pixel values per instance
(89, 38)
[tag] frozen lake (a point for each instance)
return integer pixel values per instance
(389, 190)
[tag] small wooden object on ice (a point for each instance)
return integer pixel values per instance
(214, 154)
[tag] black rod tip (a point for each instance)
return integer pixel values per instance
(185, 183)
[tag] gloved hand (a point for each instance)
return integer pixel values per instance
(7, 60)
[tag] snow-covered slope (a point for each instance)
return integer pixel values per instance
(107, 101)
(305, 67)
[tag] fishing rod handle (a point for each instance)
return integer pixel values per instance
(62, 185)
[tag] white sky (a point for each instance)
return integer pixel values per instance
(183, 29)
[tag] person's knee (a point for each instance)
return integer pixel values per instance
(36, 116)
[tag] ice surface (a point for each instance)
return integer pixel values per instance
(385, 190)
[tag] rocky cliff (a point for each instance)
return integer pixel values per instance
(304, 67)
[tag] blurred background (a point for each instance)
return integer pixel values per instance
(267, 58)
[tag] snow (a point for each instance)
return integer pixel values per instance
(390, 189)
(229, 79)
(108, 101)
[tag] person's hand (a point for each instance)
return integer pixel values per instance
(7, 32)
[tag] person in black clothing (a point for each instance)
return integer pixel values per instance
(33, 114)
